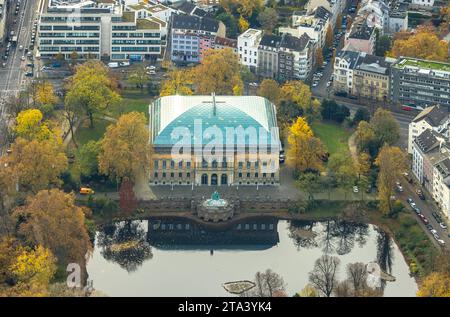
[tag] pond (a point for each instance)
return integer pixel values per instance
(177, 257)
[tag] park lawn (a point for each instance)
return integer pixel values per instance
(84, 133)
(133, 100)
(334, 137)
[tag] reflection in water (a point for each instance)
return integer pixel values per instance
(125, 243)
(178, 233)
(166, 254)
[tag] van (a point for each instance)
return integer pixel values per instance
(86, 191)
(113, 65)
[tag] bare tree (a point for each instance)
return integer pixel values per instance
(323, 276)
(344, 289)
(357, 275)
(268, 284)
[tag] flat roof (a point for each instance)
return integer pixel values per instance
(426, 64)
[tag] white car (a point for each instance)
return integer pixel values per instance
(433, 231)
(355, 189)
(22, 58)
(443, 225)
(150, 67)
(441, 242)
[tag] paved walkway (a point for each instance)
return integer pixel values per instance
(286, 190)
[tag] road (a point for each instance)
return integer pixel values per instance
(12, 78)
(426, 208)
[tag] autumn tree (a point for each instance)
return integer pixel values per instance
(329, 37)
(32, 271)
(125, 149)
(305, 151)
(52, 219)
(436, 284)
(425, 44)
(338, 21)
(362, 165)
(128, 202)
(392, 163)
(385, 127)
(300, 94)
(324, 275)
(179, 82)
(243, 24)
(364, 137)
(319, 57)
(44, 95)
(341, 168)
(270, 89)
(218, 72)
(139, 77)
(91, 89)
(35, 165)
(268, 19)
(307, 291)
(30, 126)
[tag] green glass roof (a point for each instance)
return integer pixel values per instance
(222, 116)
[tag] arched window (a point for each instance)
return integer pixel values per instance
(224, 179)
(205, 179)
(214, 179)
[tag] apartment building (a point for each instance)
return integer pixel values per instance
(371, 77)
(434, 118)
(431, 166)
(223, 42)
(335, 7)
(248, 45)
(296, 57)
(363, 75)
(268, 56)
(314, 23)
(420, 83)
(191, 36)
(99, 30)
(361, 36)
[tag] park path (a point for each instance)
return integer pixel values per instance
(352, 147)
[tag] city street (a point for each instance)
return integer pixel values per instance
(12, 78)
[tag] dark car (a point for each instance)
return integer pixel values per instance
(29, 74)
(420, 194)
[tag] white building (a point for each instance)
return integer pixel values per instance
(441, 186)
(423, 3)
(100, 29)
(248, 43)
(2, 20)
(336, 7)
(314, 23)
(434, 118)
(344, 64)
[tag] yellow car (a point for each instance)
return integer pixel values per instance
(86, 191)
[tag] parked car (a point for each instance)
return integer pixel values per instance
(420, 194)
(409, 200)
(424, 219)
(442, 225)
(417, 211)
(355, 189)
(86, 191)
(441, 242)
(399, 187)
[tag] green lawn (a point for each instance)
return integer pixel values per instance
(84, 134)
(133, 100)
(335, 137)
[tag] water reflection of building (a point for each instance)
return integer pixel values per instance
(254, 234)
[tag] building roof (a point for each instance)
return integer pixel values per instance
(322, 13)
(186, 7)
(373, 64)
(434, 115)
(222, 112)
(361, 30)
(427, 140)
(420, 64)
(350, 56)
(270, 40)
(195, 23)
(224, 41)
(295, 43)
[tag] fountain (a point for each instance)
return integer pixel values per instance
(215, 209)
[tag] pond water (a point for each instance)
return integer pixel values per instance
(176, 257)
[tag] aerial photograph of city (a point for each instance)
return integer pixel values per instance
(241, 150)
